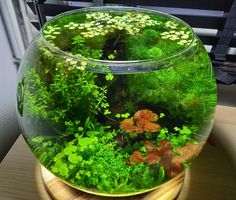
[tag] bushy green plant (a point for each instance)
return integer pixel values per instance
(62, 99)
(185, 89)
(80, 47)
(178, 136)
(143, 46)
(37, 98)
(149, 45)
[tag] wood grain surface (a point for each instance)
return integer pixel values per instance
(212, 175)
(60, 191)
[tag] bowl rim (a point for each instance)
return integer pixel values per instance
(186, 50)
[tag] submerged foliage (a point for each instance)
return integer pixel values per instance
(61, 100)
(191, 92)
(94, 159)
(109, 131)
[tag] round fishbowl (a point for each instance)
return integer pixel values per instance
(116, 101)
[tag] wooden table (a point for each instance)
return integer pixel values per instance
(212, 175)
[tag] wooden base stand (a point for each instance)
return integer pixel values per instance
(61, 191)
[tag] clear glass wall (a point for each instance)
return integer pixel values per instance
(116, 100)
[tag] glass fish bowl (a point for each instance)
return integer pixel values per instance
(116, 101)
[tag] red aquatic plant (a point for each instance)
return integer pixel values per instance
(143, 120)
(152, 156)
(166, 154)
(162, 154)
(127, 125)
(145, 115)
(137, 157)
(150, 147)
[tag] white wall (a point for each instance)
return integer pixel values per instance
(9, 129)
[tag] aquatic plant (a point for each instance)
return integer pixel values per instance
(190, 98)
(162, 155)
(62, 100)
(182, 36)
(93, 160)
(140, 122)
(178, 136)
(107, 35)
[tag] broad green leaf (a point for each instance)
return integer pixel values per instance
(70, 149)
(75, 159)
(109, 77)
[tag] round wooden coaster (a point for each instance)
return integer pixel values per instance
(58, 190)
